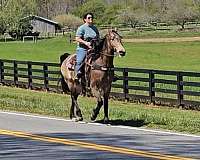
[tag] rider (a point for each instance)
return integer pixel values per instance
(85, 33)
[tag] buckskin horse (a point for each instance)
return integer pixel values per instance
(100, 74)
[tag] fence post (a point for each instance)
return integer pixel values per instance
(125, 83)
(46, 82)
(1, 71)
(15, 69)
(180, 89)
(70, 38)
(30, 80)
(151, 86)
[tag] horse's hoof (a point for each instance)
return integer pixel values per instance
(71, 116)
(77, 119)
(106, 120)
(94, 115)
(74, 119)
(92, 118)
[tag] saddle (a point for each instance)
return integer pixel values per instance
(71, 62)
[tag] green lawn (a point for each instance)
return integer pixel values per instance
(158, 34)
(121, 113)
(167, 56)
(47, 50)
(182, 56)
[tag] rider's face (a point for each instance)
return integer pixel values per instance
(89, 19)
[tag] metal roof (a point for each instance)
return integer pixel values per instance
(40, 18)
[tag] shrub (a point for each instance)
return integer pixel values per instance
(68, 21)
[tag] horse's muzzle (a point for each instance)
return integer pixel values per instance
(122, 53)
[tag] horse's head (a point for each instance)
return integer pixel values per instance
(115, 42)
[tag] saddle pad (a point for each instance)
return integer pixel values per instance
(71, 62)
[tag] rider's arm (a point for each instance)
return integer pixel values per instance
(79, 37)
(80, 40)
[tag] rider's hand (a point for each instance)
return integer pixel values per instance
(88, 44)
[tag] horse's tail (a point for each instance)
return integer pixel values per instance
(58, 82)
(64, 85)
(63, 57)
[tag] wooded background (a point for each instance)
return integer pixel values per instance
(130, 13)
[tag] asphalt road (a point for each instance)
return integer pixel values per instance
(30, 137)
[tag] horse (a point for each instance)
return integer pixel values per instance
(99, 71)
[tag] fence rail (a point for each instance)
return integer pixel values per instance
(151, 86)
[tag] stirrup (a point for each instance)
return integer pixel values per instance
(77, 76)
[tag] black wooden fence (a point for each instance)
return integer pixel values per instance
(151, 86)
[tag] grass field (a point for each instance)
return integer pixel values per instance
(121, 113)
(182, 56)
(133, 33)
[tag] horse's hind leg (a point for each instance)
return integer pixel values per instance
(97, 109)
(106, 119)
(77, 110)
(72, 109)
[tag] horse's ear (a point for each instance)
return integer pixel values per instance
(112, 30)
(109, 30)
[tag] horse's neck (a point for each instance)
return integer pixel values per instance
(106, 54)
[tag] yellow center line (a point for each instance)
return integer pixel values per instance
(92, 146)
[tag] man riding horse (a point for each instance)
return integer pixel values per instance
(98, 70)
(84, 35)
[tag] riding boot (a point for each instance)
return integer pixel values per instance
(77, 75)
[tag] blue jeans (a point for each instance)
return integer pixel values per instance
(80, 56)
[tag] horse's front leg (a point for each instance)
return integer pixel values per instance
(106, 119)
(97, 109)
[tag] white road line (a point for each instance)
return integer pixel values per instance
(98, 124)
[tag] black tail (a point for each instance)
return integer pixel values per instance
(63, 57)
(64, 85)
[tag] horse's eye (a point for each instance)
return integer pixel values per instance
(112, 38)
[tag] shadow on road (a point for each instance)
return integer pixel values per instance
(131, 123)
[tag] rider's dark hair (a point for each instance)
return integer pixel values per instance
(85, 15)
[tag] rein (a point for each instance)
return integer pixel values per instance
(95, 66)
(101, 67)
(112, 55)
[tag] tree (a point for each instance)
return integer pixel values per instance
(14, 11)
(182, 11)
(128, 17)
(138, 12)
(111, 13)
(68, 21)
(97, 7)
(52, 8)
(2, 24)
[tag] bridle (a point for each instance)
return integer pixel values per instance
(111, 55)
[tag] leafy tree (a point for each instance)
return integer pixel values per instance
(134, 13)
(97, 7)
(68, 21)
(14, 11)
(182, 11)
(2, 24)
(129, 18)
(110, 14)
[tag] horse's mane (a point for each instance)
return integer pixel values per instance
(100, 44)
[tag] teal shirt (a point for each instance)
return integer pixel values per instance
(85, 32)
